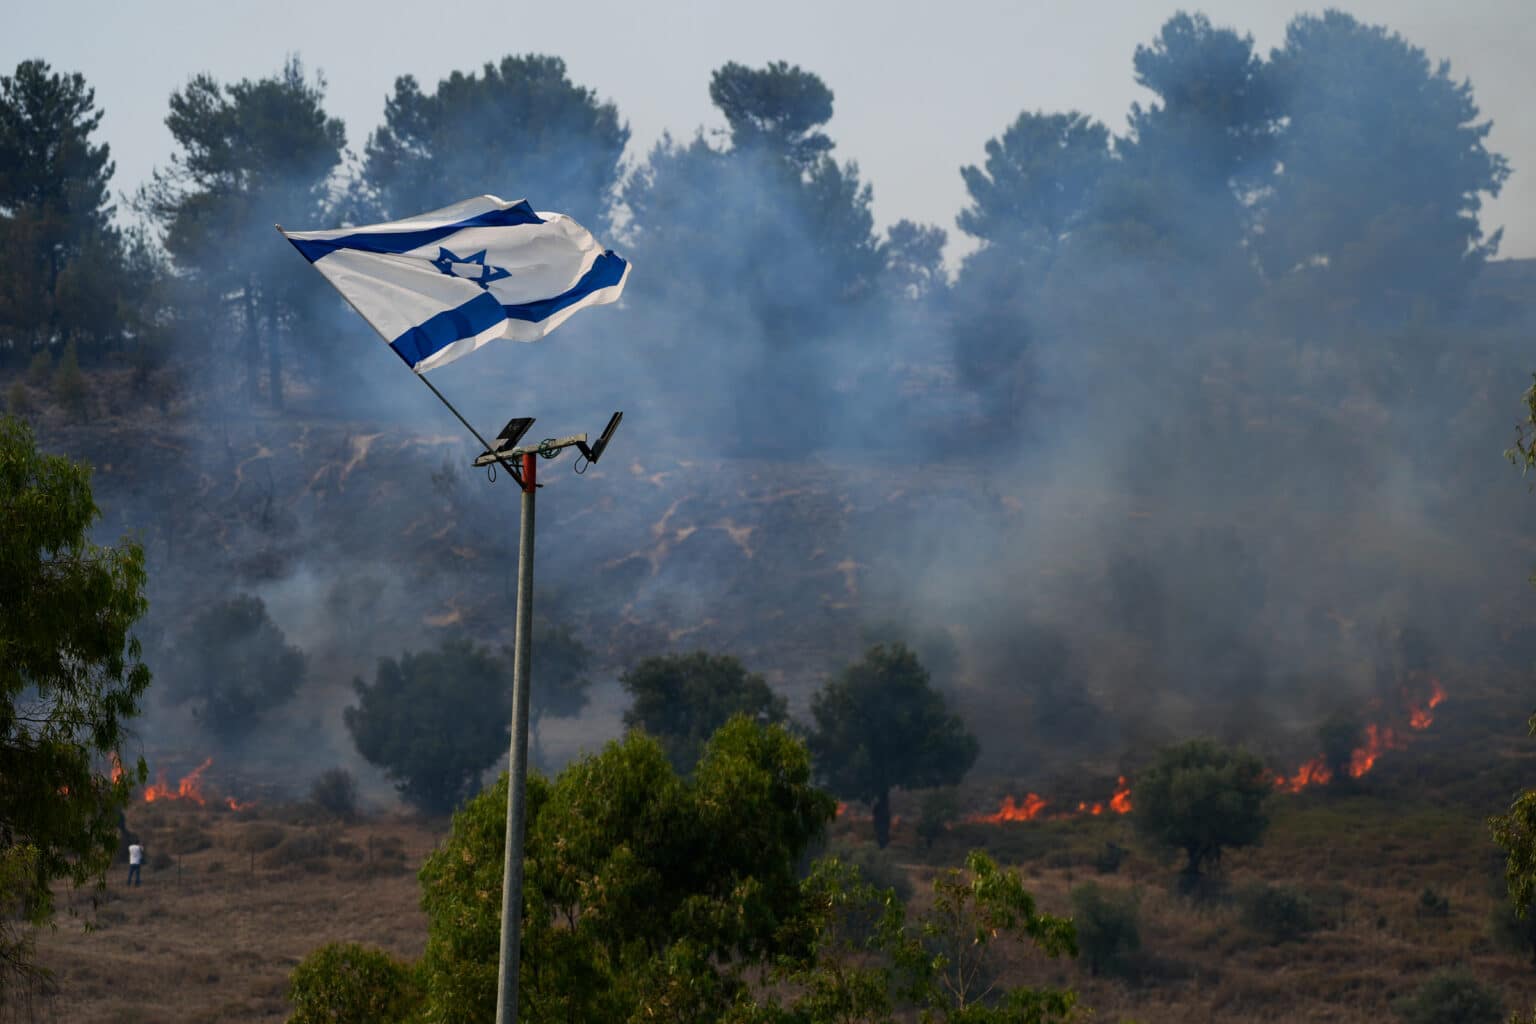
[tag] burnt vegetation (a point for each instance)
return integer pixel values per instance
(1154, 561)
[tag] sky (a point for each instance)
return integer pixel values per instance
(919, 87)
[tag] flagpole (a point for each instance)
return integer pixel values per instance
(483, 442)
(517, 760)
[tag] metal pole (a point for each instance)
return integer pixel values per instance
(517, 761)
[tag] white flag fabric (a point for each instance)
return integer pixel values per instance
(439, 285)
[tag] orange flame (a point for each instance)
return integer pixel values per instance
(1314, 773)
(236, 805)
(1378, 739)
(1120, 803)
(1027, 809)
(190, 786)
(117, 769)
(1422, 717)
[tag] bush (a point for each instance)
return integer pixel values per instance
(1512, 932)
(1451, 996)
(40, 369)
(1107, 928)
(1107, 861)
(69, 385)
(335, 793)
(350, 984)
(18, 401)
(299, 848)
(939, 808)
(260, 838)
(1432, 904)
(1278, 913)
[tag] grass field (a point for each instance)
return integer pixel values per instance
(231, 901)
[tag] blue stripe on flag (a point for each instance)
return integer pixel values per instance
(606, 271)
(451, 325)
(483, 312)
(404, 241)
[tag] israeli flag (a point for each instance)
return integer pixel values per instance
(439, 285)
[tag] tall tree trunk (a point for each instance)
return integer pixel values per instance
(883, 818)
(252, 343)
(274, 364)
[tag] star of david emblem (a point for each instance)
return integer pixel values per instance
(470, 268)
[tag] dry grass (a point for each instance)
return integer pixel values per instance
(215, 937)
(1362, 859)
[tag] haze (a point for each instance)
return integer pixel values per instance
(917, 93)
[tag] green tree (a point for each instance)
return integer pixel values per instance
(69, 273)
(1107, 927)
(1450, 996)
(434, 721)
(234, 666)
(946, 964)
(70, 680)
(681, 699)
(1202, 149)
(345, 983)
(69, 386)
(1384, 171)
(1201, 798)
(1515, 833)
(648, 895)
(520, 129)
(251, 155)
(1039, 180)
(789, 226)
(880, 725)
(560, 683)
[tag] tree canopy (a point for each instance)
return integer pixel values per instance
(250, 155)
(434, 721)
(681, 699)
(69, 275)
(518, 129)
(880, 725)
(1384, 169)
(648, 895)
(235, 666)
(1201, 798)
(70, 681)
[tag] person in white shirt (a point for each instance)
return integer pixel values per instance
(135, 863)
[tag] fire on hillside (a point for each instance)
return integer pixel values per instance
(1377, 739)
(189, 787)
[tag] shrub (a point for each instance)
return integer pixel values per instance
(18, 401)
(1432, 904)
(299, 848)
(40, 369)
(188, 838)
(1107, 928)
(260, 838)
(1451, 996)
(940, 807)
(1107, 861)
(69, 385)
(350, 984)
(1512, 932)
(880, 870)
(335, 792)
(1278, 913)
